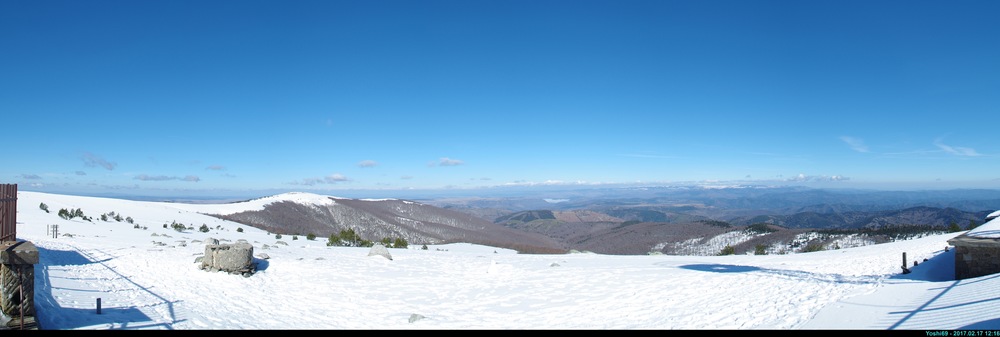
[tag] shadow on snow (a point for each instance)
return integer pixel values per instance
(52, 315)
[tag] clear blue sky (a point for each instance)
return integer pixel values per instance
(175, 97)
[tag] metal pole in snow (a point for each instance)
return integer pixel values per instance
(98, 305)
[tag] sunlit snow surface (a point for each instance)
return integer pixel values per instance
(147, 278)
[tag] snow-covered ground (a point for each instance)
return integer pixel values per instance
(147, 278)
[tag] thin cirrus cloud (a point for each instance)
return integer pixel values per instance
(92, 160)
(216, 168)
(956, 150)
(30, 176)
(146, 177)
(367, 163)
(856, 144)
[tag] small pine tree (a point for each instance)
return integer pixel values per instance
(954, 228)
(295, 237)
(972, 224)
(728, 250)
(44, 207)
(310, 236)
(203, 228)
(424, 247)
(400, 243)
(760, 249)
(350, 238)
(812, 247)
(277, 236)
(128, 219)
(239, 229)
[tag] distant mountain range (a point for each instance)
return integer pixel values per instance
(671, 220)
(375, 219)
(643, 231)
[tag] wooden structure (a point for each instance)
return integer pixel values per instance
(17, 266)
(8, 212)
(975, 256)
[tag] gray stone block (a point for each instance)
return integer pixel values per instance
(380, 250)
(234, 258)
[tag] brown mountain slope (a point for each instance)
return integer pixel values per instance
(374, 220)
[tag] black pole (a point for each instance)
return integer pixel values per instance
(98, 305)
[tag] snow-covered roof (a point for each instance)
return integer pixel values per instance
(988, 230)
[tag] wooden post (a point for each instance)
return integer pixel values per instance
(98, 305)
(904, 260)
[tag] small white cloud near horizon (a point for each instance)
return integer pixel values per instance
(956, 150)
(30, 176)
(445, 161)
(367, 163)
(856, 144)
(216, 168)
(802, 178)
(335, 178)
